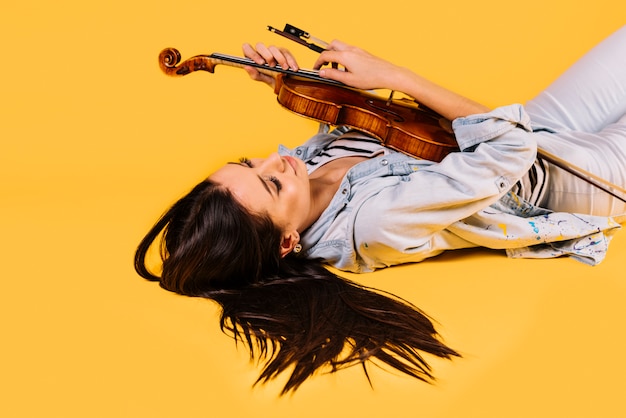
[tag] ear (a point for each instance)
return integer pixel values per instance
(290, 239)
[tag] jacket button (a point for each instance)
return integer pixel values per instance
(384, 162)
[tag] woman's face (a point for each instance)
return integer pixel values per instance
(276, 185)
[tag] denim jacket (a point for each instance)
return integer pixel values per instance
(394, 209)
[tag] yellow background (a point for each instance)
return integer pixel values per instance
(96, 142)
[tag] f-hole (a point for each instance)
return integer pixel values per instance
(386, 110)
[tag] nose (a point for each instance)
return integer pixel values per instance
(273, 162)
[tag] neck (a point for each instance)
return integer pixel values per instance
(325, 182)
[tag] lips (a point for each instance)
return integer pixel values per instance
(292, 162)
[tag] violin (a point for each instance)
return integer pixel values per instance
(400, 124)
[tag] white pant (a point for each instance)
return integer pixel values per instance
(586, 109)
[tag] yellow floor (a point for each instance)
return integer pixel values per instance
(96, 142)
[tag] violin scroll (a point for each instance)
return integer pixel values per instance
(169, 61)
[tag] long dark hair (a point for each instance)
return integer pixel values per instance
(290, 312)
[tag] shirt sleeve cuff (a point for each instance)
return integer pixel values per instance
(474, 129)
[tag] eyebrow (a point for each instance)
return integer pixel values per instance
(263, 182)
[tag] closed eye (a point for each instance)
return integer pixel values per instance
(245, 161)
(276, 182)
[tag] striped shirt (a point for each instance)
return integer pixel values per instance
(353, 144)
(531, 187)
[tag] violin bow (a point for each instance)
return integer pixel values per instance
(300, 36)
(605, 185)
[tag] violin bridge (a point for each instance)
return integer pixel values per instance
(390, 99)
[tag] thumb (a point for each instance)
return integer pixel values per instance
(335, 74)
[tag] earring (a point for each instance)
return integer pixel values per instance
(297, 248)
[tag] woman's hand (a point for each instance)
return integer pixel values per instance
(366, 71)
(270, 55)
(362, 69)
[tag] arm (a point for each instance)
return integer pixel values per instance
(498, 148)
(366, 71)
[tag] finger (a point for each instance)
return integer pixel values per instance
(267, 55)
(257, 76)
(335, 74)
(251, 53)
(270, 81)
(279, 56)
(291, 60)
(326, 57)
(252, 72)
